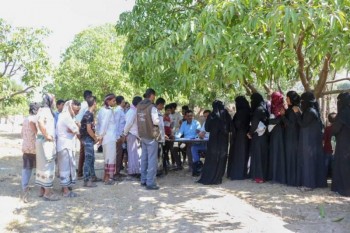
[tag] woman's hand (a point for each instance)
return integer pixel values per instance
(49, 138)
(296, 109)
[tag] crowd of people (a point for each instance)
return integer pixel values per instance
(282, 140)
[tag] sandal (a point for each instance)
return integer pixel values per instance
(52, 197)
(109, 182)
(96, 179)
(25, 195)
(42, 191)
(89, 184)
(70, 194)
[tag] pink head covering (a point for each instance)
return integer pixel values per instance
(277, 103)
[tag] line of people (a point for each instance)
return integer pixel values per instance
(278, 144)
(286, 145)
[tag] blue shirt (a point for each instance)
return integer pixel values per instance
(56, 117)
(189, 130)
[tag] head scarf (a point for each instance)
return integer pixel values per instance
(218, 107)
(256, 101)
(343, 101)
(344, 108)
(33, 108)
(107, 99)
(241, 103)
(294, 98)
(308, 100)
(48, 101)
(276, 103)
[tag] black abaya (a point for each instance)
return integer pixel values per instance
(239, 149)
(277, 160)
(291, 147)
(341, 174)
(313, 167)
(217, 148)
(258, 146)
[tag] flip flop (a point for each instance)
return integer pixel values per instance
(109, 182)
(52, 197)
(70, 194)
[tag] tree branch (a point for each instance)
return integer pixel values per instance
(338, 80)
(249, 92)
(7, 64)
(13, 72)
(280, 88)
(301, 62)
(13, 66)
(16, 93)
(323, 76)
(250, 86)
(334, 92)
(267, 89)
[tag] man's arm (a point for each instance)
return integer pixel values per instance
(180, 132)
(155, 116)
(129, 119)
(117, 117)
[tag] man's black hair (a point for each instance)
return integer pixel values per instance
(87, 93)
(160, 100)
(59, 102)
(188, 111)
(185, 108)
(136, 100)
(76, 103)
(91, 100)
(173, 105)
(168, 106)
(331, 117)
(149, 92)
(119, 99)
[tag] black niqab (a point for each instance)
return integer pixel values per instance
(294, 98)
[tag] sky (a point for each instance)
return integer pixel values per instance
(64, 18)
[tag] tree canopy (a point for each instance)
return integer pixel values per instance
(222, 47)
(23, 59)
(93, 62)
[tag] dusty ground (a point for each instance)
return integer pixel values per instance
(180, 205)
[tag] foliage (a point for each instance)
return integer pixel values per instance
(217, 47)
(92, 62)
(23, 58)
(17, 105)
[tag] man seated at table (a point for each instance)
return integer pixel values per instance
(189, 129)
(199, 147)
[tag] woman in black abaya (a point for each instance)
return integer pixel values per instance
(218, 125)
(239, 149)
(291, 139)
(341, 130)
(277, 165)
(259, 142)
(313, 167)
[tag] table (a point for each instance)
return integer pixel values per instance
(162, 164)
(189, 140)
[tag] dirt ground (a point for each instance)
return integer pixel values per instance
(181, 205)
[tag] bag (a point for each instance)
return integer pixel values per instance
(261, 129)
(270, 127)
(156, 133)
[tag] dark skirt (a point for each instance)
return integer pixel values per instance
(29, 161)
